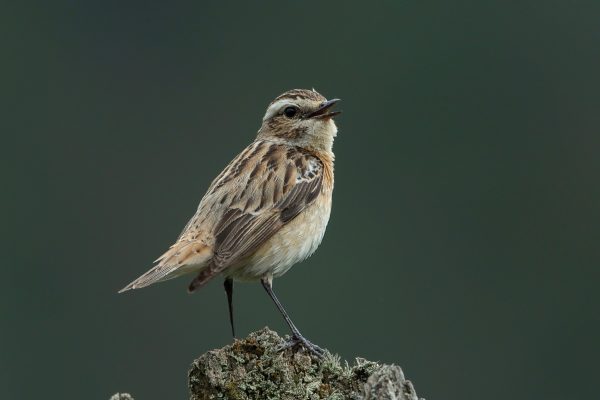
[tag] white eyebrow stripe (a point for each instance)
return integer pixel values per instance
(275, 107)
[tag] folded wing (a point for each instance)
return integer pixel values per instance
(281, 183)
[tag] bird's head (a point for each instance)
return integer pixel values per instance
(301, 118)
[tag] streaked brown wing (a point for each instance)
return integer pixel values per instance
(281, 184)
(242, 231)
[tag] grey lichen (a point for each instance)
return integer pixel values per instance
(121, 396)
(254, 368)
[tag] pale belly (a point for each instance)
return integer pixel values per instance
(293, 243)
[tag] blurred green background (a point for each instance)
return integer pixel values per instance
(463, 239)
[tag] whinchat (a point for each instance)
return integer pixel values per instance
(267, 210)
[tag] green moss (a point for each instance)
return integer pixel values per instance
(253, 368)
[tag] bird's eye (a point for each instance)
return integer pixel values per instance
(290, 112)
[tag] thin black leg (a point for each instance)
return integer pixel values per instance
(297, 338)
(228, 284)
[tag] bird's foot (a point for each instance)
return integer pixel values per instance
(300, 341)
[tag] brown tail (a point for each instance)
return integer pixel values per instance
(203, 277)
(157, 274)
(182, 258)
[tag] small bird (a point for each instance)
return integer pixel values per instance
(266, 211)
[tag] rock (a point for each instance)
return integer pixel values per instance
(254, 368)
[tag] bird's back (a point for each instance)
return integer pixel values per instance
(264, 212)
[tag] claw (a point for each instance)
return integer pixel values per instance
(297, 341)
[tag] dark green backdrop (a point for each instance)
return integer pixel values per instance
(463, 239)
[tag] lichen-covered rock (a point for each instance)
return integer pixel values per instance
(253, 368)
(121, 396)
(388, 382)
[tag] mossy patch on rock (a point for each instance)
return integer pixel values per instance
(254, 368)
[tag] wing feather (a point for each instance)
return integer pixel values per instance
(281, 183)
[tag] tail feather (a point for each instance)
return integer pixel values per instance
(206, 274)
(157, 274)
(180, 259)
(202, 279)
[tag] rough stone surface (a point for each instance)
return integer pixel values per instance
(253, 368)
(121, 396)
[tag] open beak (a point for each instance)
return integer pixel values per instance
(322, 112)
